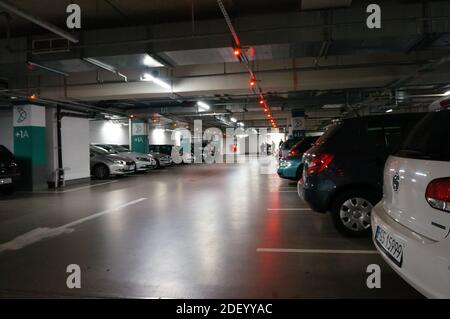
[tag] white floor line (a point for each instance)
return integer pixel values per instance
(72, 189)
(277, 191)
(288, 209)
(316, 251)
(41, 233)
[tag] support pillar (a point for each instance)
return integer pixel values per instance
(298, 123)
(30, 147)
(139, 135)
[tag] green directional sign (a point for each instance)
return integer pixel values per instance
(139, 136)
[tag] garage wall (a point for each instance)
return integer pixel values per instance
(108, 133)
(75, 147)
(160, 136)
(6, 130)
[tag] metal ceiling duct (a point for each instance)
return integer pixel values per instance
(324, 4)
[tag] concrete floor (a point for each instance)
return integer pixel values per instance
(184, 232)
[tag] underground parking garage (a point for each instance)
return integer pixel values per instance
(224, 150)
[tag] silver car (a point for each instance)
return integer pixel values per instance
(105, 164)
(144, 162)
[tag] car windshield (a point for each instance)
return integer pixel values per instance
(100, 150)
(119, 148)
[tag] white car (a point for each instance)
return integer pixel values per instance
(411, 223)
(144, 162)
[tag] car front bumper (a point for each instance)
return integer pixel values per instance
(426, 263)
(164, 162)
(119, 169)
(142, 166)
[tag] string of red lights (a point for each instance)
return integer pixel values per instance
(241, 55)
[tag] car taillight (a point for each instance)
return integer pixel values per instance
(438, 194)
(318, 162)
(280, 153)
(294, 152)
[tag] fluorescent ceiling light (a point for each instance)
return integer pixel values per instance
(150, 78)
(447, 93)
(203, 106)
(151, 62)
(332, 106)
(389, 111)
(233, 120)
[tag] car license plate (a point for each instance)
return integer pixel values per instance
(5, 181)
(391, 245)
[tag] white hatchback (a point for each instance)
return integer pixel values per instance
(411, 223)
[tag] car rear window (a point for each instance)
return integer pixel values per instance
(430, 138)
(305, 144)
(289, 144)
(330, 131)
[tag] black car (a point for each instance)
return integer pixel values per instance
(9, 172)
(343, 171)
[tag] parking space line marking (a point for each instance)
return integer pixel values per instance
(72, 189)
(288, 209)
(317, 251)
(41, 233)
(277, 191)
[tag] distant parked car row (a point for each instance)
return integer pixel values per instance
(112, 160)
(406, 208)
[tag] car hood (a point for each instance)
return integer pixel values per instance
(115, 157)
(133, 155)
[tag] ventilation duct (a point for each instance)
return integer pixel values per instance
(324, 4)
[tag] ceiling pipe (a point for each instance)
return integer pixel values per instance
(42, 23)
(106, 67)
(47, 68)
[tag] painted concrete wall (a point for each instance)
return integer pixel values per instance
(159, 136)
(108, 132)
(75, 147)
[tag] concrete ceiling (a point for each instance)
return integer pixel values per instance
(305, 54)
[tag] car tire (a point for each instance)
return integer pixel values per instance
(158, 165)
(101, 171)
(351, 210)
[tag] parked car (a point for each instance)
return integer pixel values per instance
(411, 224)
(286, 147)
(291, 167)
(9, 172)
(163, 149)
(343, 171)
(105, 164)
(144, 162)
(162, 154)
